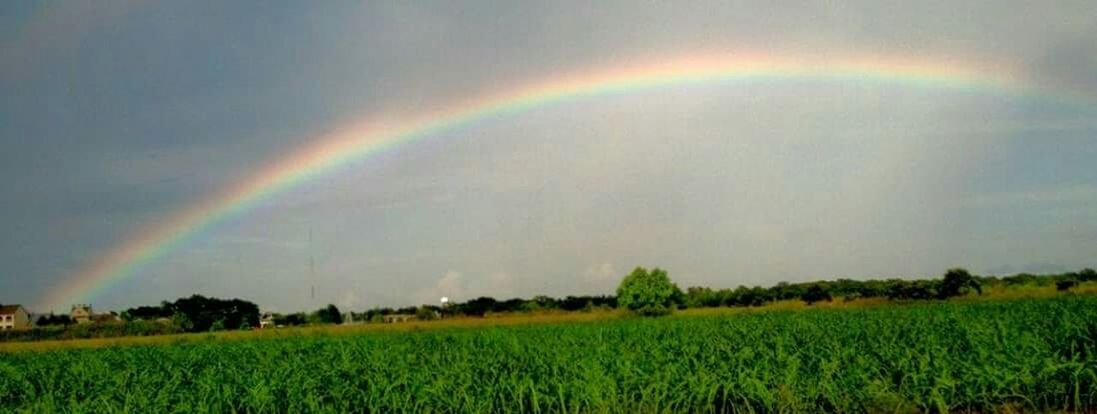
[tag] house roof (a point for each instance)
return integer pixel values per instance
(9, 309)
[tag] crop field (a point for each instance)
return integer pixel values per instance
(1014, 355)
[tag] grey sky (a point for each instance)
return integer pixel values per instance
(115, 115)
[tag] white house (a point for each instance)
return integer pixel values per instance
(14, 317)
(81, 313)
(266, 320)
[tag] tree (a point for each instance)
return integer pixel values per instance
(427, 313)
(957, 282)
(477, 307)
(292, 319)
(698, 296)
(54, 320)
(329, 314)
(148, 312)
(199, 313)
(1087, 275)
(649, 293)
(817, 292)
(1065, 284)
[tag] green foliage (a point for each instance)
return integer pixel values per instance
(1087, 275)
(200, 314)
(1065, 284)
(1013, 356)
(164, 311)
(54, 320)
(292, 319)
(91, 331)
(817, 292)
(426, 313)
(183, 322)
(958, 282)
(649, 293)
(329, 314)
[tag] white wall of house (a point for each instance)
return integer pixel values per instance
(19, 319)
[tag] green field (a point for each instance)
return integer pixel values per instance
(1030, 355)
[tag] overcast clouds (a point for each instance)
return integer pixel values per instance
(113, 116)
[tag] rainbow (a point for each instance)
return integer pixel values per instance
(362, 139)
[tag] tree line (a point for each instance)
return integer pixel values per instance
(646, 292)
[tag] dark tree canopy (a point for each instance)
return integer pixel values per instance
(199, 313)
(54, 320)
(328, 314)
(149, 312)
(817, 292)
(958, 282)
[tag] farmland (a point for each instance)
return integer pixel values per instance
(1024, 354)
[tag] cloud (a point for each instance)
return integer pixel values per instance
(349, 301)
(601, 273)
(601, 277)
(450, 285)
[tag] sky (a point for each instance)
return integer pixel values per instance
(117, 116)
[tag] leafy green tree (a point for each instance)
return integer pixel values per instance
(648, 293)
(198, 313)
(958, 282)
(55, 320)
(817, 292)
(329, 314)
(427, 313)
(1087, 275)
(183, 322)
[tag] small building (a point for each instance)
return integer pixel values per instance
(14, 317)
(81, 313)
(399, 317)
(266, 320)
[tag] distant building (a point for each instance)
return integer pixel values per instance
(399, 317)
(81, 313)
(266, 320)
(14, 317)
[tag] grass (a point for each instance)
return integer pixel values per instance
(317, 330)
(991, 293)
(973, 355)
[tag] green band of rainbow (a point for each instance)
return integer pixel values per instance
(364, 139)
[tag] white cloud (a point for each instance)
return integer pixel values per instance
(602, 272)
(349, 301)
(601, 277)
(451, 285)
